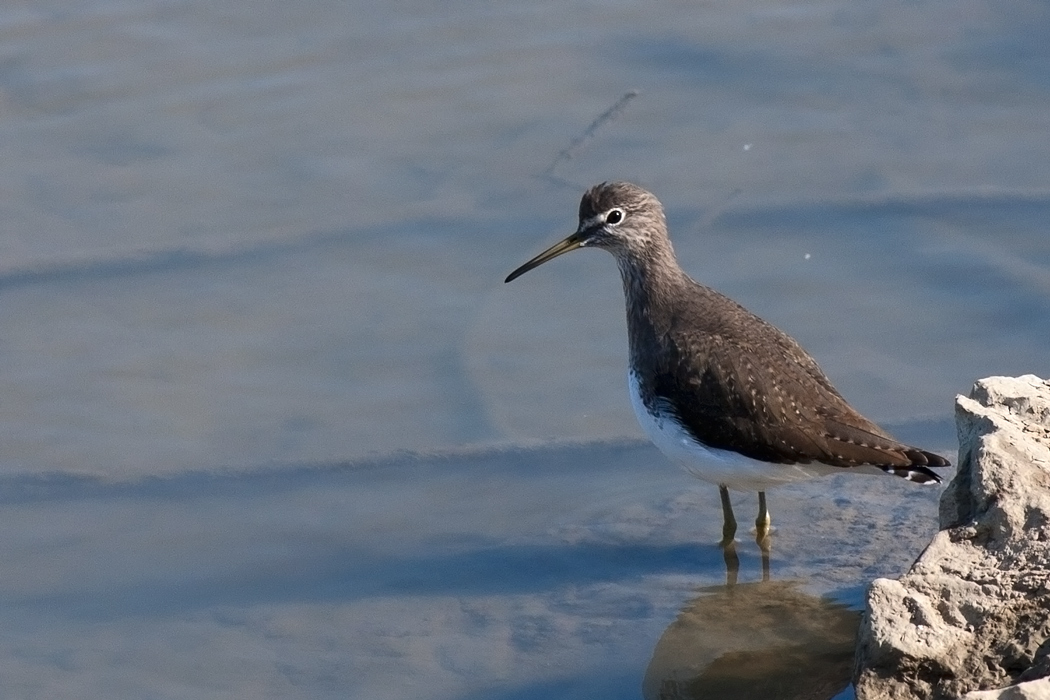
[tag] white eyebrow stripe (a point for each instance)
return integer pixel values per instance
(597, 220)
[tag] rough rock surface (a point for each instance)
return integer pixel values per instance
(973, 614)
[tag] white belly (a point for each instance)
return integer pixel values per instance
(723, 467)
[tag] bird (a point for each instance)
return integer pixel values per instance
(724, 394)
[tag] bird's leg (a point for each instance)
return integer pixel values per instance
(728, 543)
(762, 533)
(763, 521)
(728, 521)
(732, 562)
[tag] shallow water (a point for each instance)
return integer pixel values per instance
(251, 283)
(562, 571)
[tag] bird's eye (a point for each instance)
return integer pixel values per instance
(614, 217)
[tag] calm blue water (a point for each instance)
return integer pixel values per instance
(272, 426)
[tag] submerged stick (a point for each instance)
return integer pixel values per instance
(569, 151)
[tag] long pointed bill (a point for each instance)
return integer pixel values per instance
(571, 243)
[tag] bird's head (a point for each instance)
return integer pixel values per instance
(620, 217)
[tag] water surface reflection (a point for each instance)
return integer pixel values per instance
(768, 640)
(544, 572)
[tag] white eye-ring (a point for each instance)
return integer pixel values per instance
(614, 216)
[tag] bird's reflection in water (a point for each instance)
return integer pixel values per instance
(756, 640)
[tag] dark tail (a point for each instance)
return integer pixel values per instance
(918, 471)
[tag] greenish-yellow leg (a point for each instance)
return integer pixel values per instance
(763, 521)
(728, 521)
(728, 543)
(763, 532)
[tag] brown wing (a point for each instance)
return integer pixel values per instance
(773, 403)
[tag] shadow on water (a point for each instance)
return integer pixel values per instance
(342, 575)
(511, 573)
(766, 640)
(333, 534)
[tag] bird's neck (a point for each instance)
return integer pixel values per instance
(652, 287)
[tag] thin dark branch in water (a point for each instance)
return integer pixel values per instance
(608, 115)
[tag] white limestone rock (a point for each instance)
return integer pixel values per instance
(973, 614)
(1029, 690)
